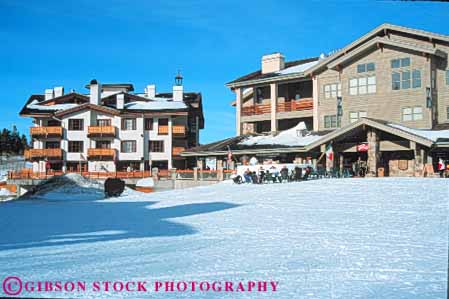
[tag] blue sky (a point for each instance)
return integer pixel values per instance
(53, 43)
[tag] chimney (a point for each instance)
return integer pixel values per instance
(150, 91)
(59, 91)
(178, 93)
(49, 94)
(272, 63)
(95, 92)
(120, 101)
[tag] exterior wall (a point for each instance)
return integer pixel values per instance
(441, 90)
(76, 136)
(385, 104)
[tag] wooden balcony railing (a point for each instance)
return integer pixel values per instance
(46, 131)
(101, 131)
(101, 153)
(162, 130)
(177, 150)
(179, 130)
(297, 105)
(51, 153)
(28, 174)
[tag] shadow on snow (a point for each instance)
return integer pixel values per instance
(35, 223)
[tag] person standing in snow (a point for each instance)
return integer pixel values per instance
(441, 167)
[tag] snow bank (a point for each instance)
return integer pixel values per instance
(5, 192)
(146, 182)
(290, 137)
(433, 135)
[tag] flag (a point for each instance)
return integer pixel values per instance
(329, 152)
(440, 164)
(363, 147)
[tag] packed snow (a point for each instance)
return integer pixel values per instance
(35, 105)
(433, 135)
(296, 136)
(330, 238)
(300, 68)
(146, 182)
(5, 192)
(158, 104)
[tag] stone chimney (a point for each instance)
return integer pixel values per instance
(150, 91)
(58, 91)
(272, 63)
(49, 94)
(95, 92)
(120, 101)
(178, 93)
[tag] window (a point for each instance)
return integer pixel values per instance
(76, 124)
(148, 124)
(331, 121)
(52, 144)
(128, 124)
(103, 122)
(405, 82)
(447, 77)
(128, 146)
(416, 79)
(75, 146)
(355, 116)
(163, 121)
(396, 81)
(362, 85)
(412, 113)
(156, 146)
(400, 62)
(366, 67)
(332, 90)
(103, 144)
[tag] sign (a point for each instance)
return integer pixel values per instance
(363, 147)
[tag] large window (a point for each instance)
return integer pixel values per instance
(331, 121)
(75, 146)
(76, 124)
(355, 116)
(332, 90)
(412, 113)
(128, 124)
(148, 124)
(128, 146)
(156, 146)
(403, 77)
(366, 67)
(362, 85)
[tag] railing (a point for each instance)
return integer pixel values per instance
(256, 109)
(43, 153)
(185, 174)
(177, 150)
(101, 152)
(28, 174)
(101, 130)
(162, 130)
(298, 105)
(45, 131)
(179, 130)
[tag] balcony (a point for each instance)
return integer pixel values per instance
(101, 153)
(297, 105)
(46, 132)
(49, 153)
(289, 106)
(179, 131)
(101, 131)
(177, 150)
(162, 130)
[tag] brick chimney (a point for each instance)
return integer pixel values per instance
(95, 92)
(272, 63)
(178, 93)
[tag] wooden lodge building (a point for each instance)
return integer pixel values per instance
(383, 99)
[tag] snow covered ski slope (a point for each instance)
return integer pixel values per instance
(338, 238)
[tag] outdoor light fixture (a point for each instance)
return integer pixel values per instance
(428, 98)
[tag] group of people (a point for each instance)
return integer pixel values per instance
(273, 175)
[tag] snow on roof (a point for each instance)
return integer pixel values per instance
(156, 104)
(300, 68)
(35, 105)
(288, 137)
(433, 135)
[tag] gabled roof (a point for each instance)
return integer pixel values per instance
(89, 106)
(40, 100)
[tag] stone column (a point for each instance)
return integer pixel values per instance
(273, 104)
(373, 153)
(419, 161)
(238, 110)
(170, 143)
(220, 170)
